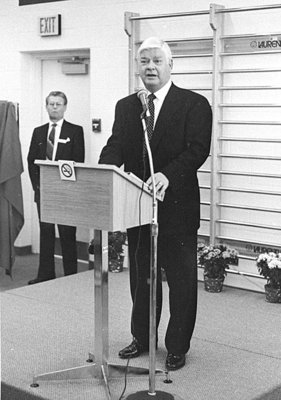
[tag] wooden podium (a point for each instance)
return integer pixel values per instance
(102, 197)
(105, 198)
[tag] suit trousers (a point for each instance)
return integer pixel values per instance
(47, 249)
(177, 255)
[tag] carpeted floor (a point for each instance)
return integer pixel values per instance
(26, 268)
(235, 352)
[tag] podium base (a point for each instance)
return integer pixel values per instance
(159, 395)
(97, 371)
(93, 371)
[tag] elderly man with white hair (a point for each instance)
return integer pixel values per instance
(179, 129)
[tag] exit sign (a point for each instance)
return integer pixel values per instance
(50, 26)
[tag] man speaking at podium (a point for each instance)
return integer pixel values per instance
(180, 142)
(56, 140)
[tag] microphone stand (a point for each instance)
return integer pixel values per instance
(159, 395)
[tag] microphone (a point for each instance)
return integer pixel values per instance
(142, 95)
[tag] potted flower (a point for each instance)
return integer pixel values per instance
(215, 260)
(269, 266)
(116, 242)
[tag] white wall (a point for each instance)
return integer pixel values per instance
(94, 24)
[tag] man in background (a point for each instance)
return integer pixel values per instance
(179, 125)
(56, 140)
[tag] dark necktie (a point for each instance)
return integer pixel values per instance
(150, 119)
(50, 142)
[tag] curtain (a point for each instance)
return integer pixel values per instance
(11, 200)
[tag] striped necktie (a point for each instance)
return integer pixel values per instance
(50, 142)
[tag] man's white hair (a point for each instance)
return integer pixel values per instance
(155, 43)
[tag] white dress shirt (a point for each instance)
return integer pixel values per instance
(159, 99)
(57, 135)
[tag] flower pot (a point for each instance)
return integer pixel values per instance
(116, 265)
(213, 285)
(272, 295)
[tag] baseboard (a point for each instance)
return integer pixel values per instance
(82, 250)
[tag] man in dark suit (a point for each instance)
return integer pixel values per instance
(180, 144)
(56, 140)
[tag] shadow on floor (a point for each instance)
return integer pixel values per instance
(272, 395)
(12, 393)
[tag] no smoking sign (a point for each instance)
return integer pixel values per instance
(67, 171)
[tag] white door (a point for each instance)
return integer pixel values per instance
(77, 90)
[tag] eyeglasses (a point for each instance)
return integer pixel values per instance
(55, 104)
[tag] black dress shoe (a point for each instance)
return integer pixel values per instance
(37, 280)
(174, 362)
(133, 350)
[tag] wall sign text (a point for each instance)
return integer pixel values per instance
(50, 26)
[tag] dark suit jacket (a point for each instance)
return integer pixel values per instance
(180, 145)
(73, 150)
